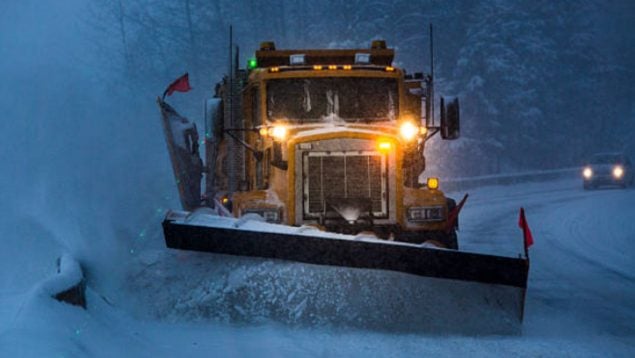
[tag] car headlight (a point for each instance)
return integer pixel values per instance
(271, 215)
(618, 172)
(587, 173)
(425, 214)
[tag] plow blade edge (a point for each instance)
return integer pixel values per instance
(493, 281)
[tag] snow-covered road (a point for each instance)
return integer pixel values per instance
(580, 300)
(582, 276)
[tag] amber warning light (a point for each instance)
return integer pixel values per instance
(384, 145)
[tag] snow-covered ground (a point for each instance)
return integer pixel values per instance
(580, 300)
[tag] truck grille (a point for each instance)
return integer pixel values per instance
(329, 177)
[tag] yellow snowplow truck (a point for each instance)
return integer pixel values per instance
(330, 140)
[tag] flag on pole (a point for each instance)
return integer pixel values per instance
(454, 214)
(522, 223)
(181, 84)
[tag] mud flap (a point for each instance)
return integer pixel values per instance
(467, 282)
(182, 140)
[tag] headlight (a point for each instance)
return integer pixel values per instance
(408, 131)
(425, 213)
(618, 172)
(271, 215)
(587, 173)
(278, 132)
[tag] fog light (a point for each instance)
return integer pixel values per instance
(433, 183)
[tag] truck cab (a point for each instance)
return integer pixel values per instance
(330, 138)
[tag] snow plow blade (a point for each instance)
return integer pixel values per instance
(477, 283)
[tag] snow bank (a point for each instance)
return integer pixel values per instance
(69, 275)
(68, 285)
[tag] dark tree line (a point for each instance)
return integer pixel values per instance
(540, 86)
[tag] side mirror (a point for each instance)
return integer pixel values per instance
(450, 121)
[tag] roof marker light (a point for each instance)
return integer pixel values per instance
(332, 67)
(317, 67)
(252, 63)
(347, 67)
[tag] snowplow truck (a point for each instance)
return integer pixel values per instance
(331, 139)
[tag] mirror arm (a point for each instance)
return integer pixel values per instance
(431, 132)
(258, 154)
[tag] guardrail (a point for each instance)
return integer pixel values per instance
(462, 184)
(68, 285)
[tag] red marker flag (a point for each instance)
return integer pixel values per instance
(522, 223)
(454, 214)
(181, 84)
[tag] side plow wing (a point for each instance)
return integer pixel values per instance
(181, 138)
(457, 292)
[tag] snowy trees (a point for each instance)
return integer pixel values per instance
(536, 80)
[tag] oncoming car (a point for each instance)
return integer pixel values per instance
(608, 169)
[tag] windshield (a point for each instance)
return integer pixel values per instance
(351, 99)
(606, 159)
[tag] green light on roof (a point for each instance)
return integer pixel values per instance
(252, 63)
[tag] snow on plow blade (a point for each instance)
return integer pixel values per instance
(456, 292)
